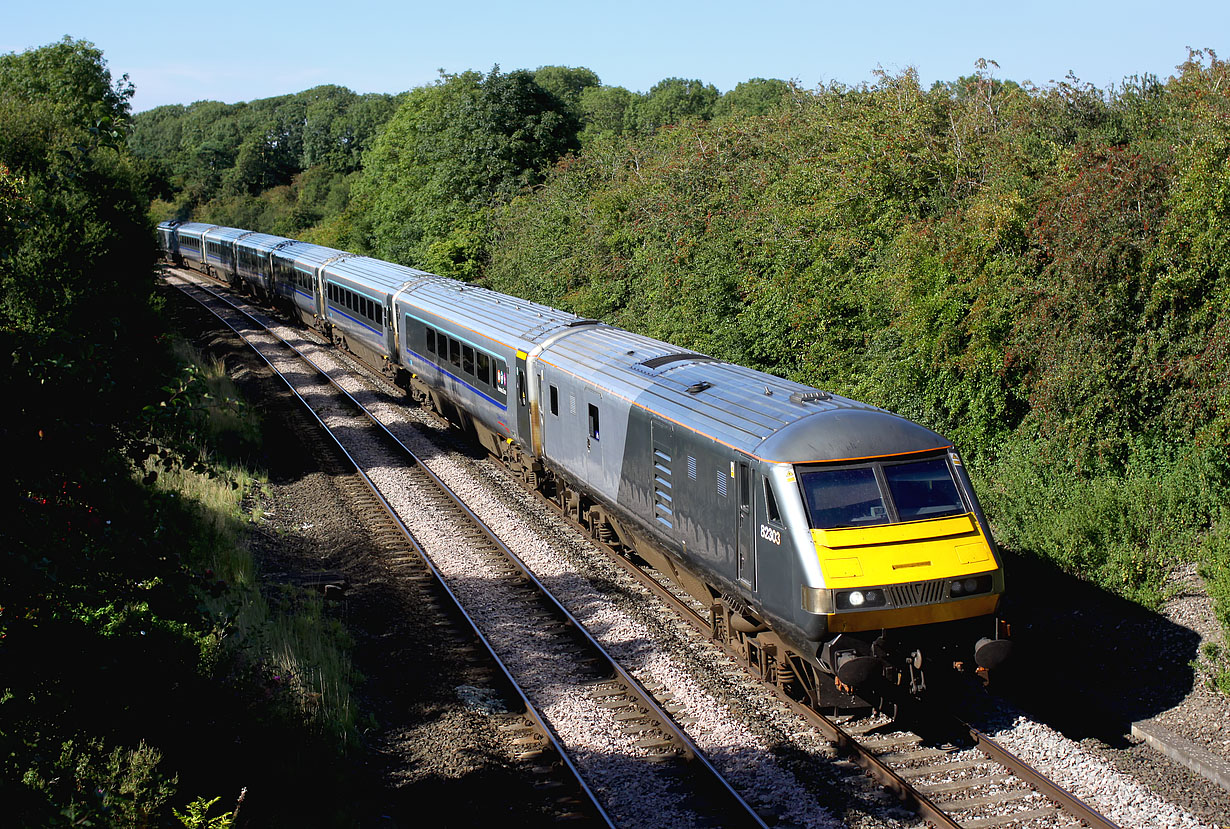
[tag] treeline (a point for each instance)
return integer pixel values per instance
(136, 651)
(1040, 273)
(457, 148)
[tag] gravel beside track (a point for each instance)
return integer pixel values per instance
(435, 728)
(779, 762)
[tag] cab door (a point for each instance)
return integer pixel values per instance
(745, 527)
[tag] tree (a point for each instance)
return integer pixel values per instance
(79, 246)
(755, 97)
(452, 152)
(672, 101)
(603, 111)
(567, 84)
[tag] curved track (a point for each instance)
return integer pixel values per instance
(970, 782)
(661, 759)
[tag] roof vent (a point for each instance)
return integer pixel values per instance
(665, 359)
(768, 392)
(697, 388)
(809, 396)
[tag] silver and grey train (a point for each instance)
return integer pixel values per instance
(839, 547)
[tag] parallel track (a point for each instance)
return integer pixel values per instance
(667, 751)
(895, 762)
(998, 789)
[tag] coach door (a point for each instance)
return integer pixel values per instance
(523, 400)
(591, 419)
(745, 538)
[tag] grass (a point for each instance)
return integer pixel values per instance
(281, 634)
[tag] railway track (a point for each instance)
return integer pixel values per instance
(523, 628)
(968, 782)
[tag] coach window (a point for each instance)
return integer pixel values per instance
(467, 360)
(554, 401)
(593, 421)
(431, 341)
(484, 368)
(454, 352)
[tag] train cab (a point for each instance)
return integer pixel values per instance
(899, 567)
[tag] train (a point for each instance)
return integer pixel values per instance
(837, 547)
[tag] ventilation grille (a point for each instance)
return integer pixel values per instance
(721, 482)
(663, 487)
(916, 593)
(692, 467)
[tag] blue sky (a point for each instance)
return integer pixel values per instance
(240, 51)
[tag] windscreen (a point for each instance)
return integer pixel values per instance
(852, 497)
(844, 498)
(924, 489)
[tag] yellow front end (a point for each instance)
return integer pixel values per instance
(914, 563)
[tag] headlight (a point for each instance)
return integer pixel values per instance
(970, 586)
(860, 599)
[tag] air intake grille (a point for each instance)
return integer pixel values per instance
(916, 593)
(663, 487)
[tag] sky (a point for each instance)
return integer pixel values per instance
(242, 51)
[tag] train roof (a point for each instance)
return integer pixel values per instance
(376, 273)
(194, 228)
(516, 323)
(228, 234)
(308, 254)
(264, 242)
(758, 414)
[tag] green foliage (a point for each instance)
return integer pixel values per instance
(106, 640)
(1038, 273)
(567, 84)
(758, 96)
(94, 787)
(76, 245)
(603, 111)
(223, 159)
(1215, 568)
(1125, 531)
(196, 815)
(452, 151)
(673, 101)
